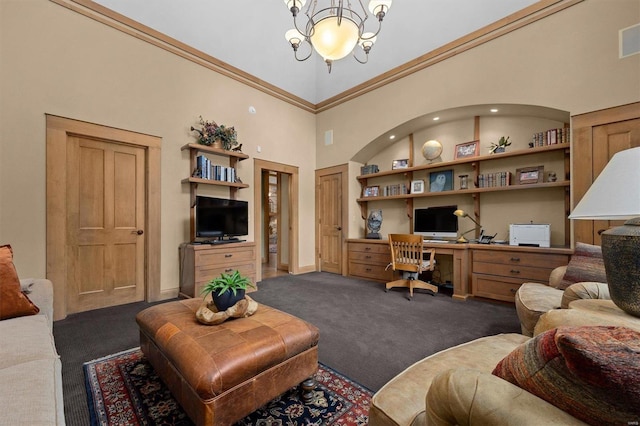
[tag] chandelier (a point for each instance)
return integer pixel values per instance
(335, 30)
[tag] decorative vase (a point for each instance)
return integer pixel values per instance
(226, 299)
(217, 144)
(499, 149)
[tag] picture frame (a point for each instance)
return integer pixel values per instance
(528, 175)
(441, 181)
(371, 191)
(400, 164)
(417, 186)
(467, 149)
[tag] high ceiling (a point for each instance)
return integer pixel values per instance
(249, 35)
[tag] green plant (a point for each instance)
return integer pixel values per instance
(502, 143)
(227, 282)
(211, 132)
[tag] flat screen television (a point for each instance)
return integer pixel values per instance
(219, 218)
(436, 222)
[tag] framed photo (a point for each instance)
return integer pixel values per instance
(441, 181)
(417, 186)
(467, 149)
(371, 191)
(528, 175)
(400, 164)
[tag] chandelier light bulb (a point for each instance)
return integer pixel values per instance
(294, 37)
(366, 41)
(334, 41)
(297, 3)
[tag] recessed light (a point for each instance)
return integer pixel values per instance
(392, 137)
(494, 110)
(436, 118)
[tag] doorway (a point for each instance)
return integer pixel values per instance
(275, 218)
(331, 218)
(103, 215)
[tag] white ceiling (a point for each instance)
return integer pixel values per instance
(249, 34)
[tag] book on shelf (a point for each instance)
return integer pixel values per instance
(206, 170)
(551, 137)
(489, 180)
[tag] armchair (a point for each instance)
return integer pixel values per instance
(407, 256)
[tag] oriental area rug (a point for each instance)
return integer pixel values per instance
(123, 389)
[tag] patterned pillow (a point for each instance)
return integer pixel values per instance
(13, 303)
(591, 373)
(586, 264)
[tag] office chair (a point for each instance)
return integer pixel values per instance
(407, 257)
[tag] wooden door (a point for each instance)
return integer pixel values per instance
(105, 224)
(597, 137)
(330, 222)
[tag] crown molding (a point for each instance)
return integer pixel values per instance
(526, 16)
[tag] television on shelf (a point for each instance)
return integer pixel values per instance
(437, 223)
(220, 220)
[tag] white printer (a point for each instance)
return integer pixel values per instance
(530, 234)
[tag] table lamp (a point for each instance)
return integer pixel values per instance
(462, 213)
(615, 195)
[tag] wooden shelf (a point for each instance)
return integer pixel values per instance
(482, 158)
(206, 148)
(214, 182)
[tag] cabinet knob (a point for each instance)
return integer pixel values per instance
(513, 290)
(514, 271)
(228, 255)
(515, 259)
(367, 257)
(368, 269)
(367, 248)
(228, 270)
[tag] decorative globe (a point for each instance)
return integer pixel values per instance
(431, 149)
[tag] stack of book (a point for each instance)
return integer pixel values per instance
(397, 189)
(206, 170)
(487, 180)
(551, 137)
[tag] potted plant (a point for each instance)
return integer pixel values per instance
(218, 136)
(500, 146)
(227, 289)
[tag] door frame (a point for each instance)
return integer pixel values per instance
(260, 166)
(342, 169)
(58, 130)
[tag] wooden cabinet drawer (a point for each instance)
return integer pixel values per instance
(372, 258)
(375, 272)
(495, 288)
(520, 258)
(523, 273)
(205, 273)
(369, 248)
(225, 257)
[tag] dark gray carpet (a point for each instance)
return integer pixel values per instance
(366, 334)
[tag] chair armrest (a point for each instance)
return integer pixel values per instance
(40, 292)
(585, 290)
(556, 276)
(472, 397)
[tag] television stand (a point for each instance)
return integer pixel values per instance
(219, 241)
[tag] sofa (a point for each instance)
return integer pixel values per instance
(583, 278)
(30, 367)
(467, 384)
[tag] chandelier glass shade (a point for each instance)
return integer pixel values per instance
(335, 28)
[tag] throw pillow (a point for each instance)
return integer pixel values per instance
(586, 264)
(591, 373)
(13, 303)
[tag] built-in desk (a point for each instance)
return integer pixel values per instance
(485, 270)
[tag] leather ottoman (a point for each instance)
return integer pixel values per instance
(221, 373)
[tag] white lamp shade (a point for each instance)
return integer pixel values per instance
(375, 6)
(333, 41)
(615, 194)
(294, 36)
(367, 39)
(299, 3)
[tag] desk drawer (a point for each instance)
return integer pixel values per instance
(369, 248)
(374, 272)
(205, 273)
(523, 273)
(370, 258)
(493, 287)
(540, 260)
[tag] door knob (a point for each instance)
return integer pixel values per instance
(139, 232)
(339, 228)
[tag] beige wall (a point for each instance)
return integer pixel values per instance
(567, 61)
(59, 62)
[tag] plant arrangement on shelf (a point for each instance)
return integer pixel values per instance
(218, 136)
(227, 289)
(500, 146)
